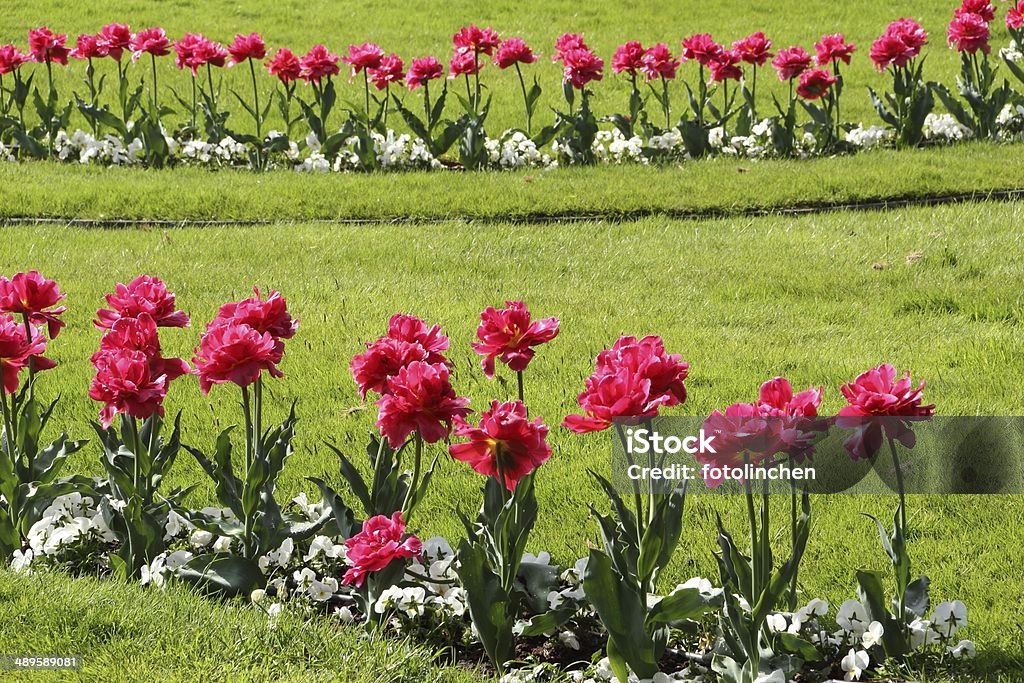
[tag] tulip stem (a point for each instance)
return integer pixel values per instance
(8, 425)
(637, 499)
(256, 103)
(519, 381)
(247, 409)
(366, 91)
(156, 102)
(410, 494)
(792, 531)
(526, 105)
(752, 519)
(753, 99)
(899, 486)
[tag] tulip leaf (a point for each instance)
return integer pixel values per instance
(680, 605)
(618, 603)
(548, 622)
(223, 574)
(489, 605)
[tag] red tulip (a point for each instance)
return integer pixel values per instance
(463, 64)
(791, 62)
(581, 67)
(33, 295)
(901, 42)
(815, 83)
(1014, 17)
(140, 334)
(969, 33)
(151, 41)
(754, 49)
(247, 47)
(982, 8)
(506, 444)
(233, 352)
(88, 46)
(633, 379)
(381, 542)
(567, 42)
(144, 294)
(390, 70)
(514, 51)
(726, 67)
(11, 59)
(17, 352)
(511, 335)
(628, 58)
(125, 385)
(834, 48)
(115, 40)
(45, 46)
(478, 40)
(702, 49)
(419, 399)
(658, 62)
(285, 65)
(318, 63)
(422, 71)
(365, 56)
(268, 315)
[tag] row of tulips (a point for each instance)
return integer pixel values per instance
(362, 558)
(723, 96)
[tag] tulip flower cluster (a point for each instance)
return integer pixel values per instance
(374, 566)
(133, 124)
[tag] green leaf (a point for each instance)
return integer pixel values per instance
(800, 647)
(548, 622)
(342, 523)
(489, 606)
(916, 598)
(218, 573)
(687, 603)
(620, 607)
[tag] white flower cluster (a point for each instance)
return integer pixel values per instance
(69, 522)
(394, 151)
(612, 147)
(1011, 121)
(228, 152)
(754, 146)
(945, 128)
(671, 141)
(514, 149)
(871, 137)
(107, 150)
(163, 566)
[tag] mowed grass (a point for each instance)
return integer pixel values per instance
(418, 29)
(126, 632)
(30, 190)
(817, 298)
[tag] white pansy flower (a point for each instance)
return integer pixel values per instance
(873, 635)
(949, 617)
(854, 664)
(777, 676)
(304, 578)
(201, 538)
(569, 640)
(852, 617)
(965, 649)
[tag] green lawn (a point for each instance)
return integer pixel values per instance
(817, 298)
(718, 187)
(417, 29)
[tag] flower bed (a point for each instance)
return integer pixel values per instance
(354, 556)
(133, 122)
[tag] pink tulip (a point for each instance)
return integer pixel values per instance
(32, 295)
(381, 542)
(506, 445)
(422, 71)
(511, 335)
(46, 47)
(419, 399)
(247, 47)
